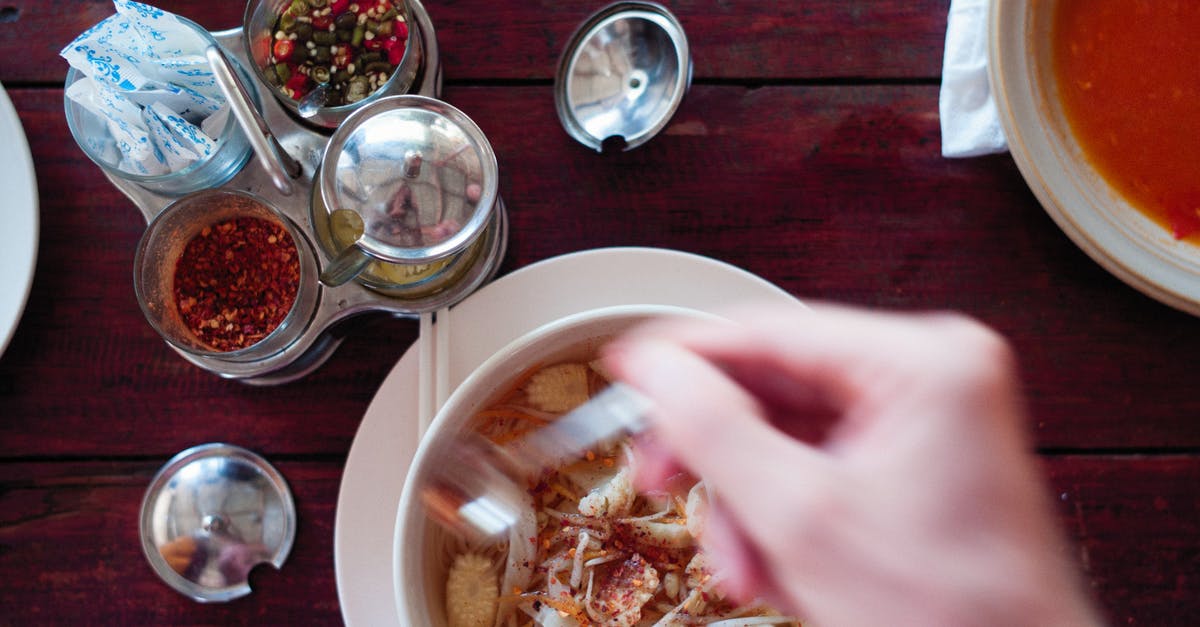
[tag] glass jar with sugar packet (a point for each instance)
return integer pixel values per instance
(141, 103)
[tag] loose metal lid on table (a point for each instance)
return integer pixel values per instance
(623, 75)
(212, 514)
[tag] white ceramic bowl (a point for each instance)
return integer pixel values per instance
(418, 573)
(1090, 211)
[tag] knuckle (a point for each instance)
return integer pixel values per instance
(979, 353)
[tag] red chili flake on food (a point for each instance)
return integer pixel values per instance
(236, 281)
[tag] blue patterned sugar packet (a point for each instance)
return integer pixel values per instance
(192, 73)
(144, 47)
(93, 53)
(186, 133)
(139, 155)
(164, 35)
(125, 142)
(174, 52)
(94, 134)
(177, 155)
(214, 124)
(152, 85)
(188, 103)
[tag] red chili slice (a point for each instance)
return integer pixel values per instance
(284, 49)
(395, 49)
(298, 83)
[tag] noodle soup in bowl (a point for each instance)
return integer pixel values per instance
(490, 401)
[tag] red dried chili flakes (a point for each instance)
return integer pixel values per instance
(236, 281)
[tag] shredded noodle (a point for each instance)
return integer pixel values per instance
(591, 551)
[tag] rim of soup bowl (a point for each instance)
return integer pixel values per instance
(556, 337)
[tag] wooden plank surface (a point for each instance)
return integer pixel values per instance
(69, 534)
(831, 193)
(757, 40)
(807, 152)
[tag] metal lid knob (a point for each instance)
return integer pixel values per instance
(211, 515)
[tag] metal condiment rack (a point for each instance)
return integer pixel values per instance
(307, 145)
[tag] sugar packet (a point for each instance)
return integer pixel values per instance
(147, 77)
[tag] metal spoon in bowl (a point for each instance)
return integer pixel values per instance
(476, 488)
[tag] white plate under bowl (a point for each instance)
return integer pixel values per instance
(1093, 214)
(19, 237)
(482, 324)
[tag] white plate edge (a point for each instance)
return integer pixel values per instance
(21, 156)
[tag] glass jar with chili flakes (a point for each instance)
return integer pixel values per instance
(351, 51)
(222, 274)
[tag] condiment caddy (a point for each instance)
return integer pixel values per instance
(307, 338)
(392, 201)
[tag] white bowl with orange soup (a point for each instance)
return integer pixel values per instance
(425, 555)
(1101, 109)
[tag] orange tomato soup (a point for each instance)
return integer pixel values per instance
(1128, 76)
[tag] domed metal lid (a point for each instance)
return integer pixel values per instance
(419, 173)
(623, 75)
(212, 514)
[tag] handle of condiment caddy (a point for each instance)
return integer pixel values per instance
(276, 161)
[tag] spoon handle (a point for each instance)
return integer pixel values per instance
(614, 413)
(347, 265)
(276, 161)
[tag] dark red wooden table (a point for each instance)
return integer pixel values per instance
(807, 151)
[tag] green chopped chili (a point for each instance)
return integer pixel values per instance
(335, 42)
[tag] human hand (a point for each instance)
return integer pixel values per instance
(920, 504)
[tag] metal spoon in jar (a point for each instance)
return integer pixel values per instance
(311, 103)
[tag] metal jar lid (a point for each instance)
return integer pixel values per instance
(419, 173)
(212, 514)
(623, 74)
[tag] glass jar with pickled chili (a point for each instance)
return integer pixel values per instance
(350, 51)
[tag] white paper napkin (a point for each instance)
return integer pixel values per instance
(970, 125)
